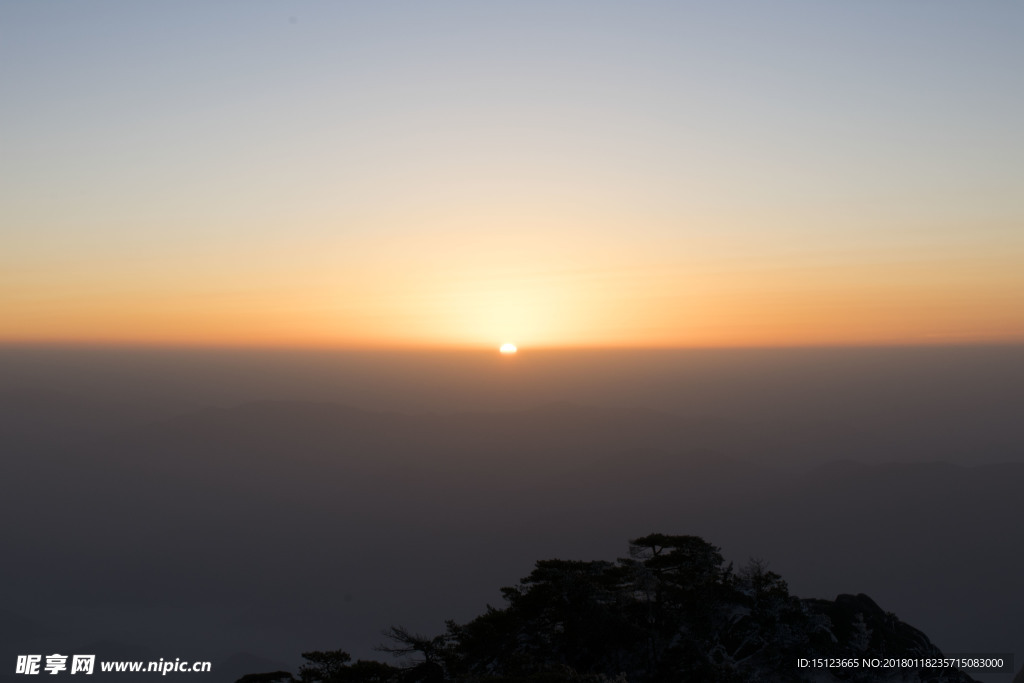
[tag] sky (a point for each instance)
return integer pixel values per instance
(552, 174)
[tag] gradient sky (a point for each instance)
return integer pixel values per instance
(547, 173)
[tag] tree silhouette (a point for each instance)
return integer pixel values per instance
(334, 667)
(673, 610)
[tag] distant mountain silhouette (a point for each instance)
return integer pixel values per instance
(220, 506)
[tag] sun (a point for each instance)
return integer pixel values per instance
(508, 348)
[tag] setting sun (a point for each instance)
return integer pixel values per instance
(508, 348)
(513, 206)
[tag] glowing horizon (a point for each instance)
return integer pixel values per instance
(566, 177)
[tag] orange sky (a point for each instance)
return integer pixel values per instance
(568, 295)
(841, 176)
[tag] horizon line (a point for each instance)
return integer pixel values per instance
(480, 348)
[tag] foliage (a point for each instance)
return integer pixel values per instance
(334, 667)
(672, 610)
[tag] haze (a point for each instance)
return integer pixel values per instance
(221, 502)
